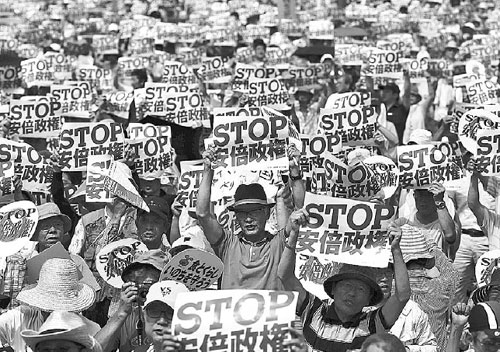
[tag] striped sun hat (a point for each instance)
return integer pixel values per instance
(485, 316)
(414, 244)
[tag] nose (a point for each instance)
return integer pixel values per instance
(164, 320)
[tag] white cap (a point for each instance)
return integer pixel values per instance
(189, 240)
(113, 27)
(326, 57)
(358, 154)
(165, 292)
(420, 136)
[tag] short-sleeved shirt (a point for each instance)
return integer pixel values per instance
(323, 330)
(248, 266)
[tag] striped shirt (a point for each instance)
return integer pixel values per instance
(323, 330)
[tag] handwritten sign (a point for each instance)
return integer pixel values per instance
(346, 231)
(421, 165)
(473, 121)
(115, 257)
(195, 268)
(243, 319)
(18, 223)
(253, 142)
(79, 140)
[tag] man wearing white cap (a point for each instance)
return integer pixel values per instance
(158, 315)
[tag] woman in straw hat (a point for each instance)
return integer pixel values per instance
(62, 331)
(58, 288)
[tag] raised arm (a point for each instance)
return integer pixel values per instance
(286, 267)
(396, 303)
(406, 89)
(445, 219)
(208, 221)
(473, 199)
(459, 316)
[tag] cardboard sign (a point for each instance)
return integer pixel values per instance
(195, 268)
(473, 121)
(118, 103)
(99, 78)
(421, 165)
(184, 109)
(386, 173)
(488, 152)
(314, 148)
(178, 73)
(118, 182)
(115, 257)
(485, 266)
(243, 319)
(321, 29)
(482, 92)
(348, 100)
(39, 117)
(383, 62)
(97, 169)
(35, 174)
(189, 183)
(10, 77)
(105, 44)
(346, 231)
(357, 126)
(154, 155)
(18, 222)
(214, 70)
(36, 72)
(252, 142)
(302, 76)
(79, 140)
(76, 100)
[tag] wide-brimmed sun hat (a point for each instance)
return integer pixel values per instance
(248, 197)
(355, 272)
(61, 325)
(58, 288)
(50, 210)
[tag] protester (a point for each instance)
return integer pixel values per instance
(153, 227)
(53, 227)
(342, 325)
(382, 342)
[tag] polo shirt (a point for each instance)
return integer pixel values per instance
(249, 266)
(398, 114)
(325, 332)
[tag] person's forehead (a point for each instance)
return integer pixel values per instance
(51, 220)
(160, 307)
(354, 282)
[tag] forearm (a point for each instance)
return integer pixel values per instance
(174, 230)
(298, 192)
(473, 195)
(107, 335)
(454, 340)
(286, 267)
(203, 202)
(447, 224)
(402, 282)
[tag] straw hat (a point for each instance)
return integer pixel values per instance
(414, 245)
(61, 325)
(58, 288)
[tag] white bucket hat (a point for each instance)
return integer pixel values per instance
(62, 325)
(58, 288)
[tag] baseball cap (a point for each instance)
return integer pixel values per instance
(165, 292)
(155, 258)
(485, 317)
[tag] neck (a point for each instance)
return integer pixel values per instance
(344, 317)
(256, 238)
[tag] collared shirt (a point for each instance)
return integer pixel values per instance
(323, 330)
(248, 266)
(414, 330)
(435, 296)
(397, 114)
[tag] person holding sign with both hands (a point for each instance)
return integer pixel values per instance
(343, 325)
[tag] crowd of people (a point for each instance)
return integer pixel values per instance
(151, 150)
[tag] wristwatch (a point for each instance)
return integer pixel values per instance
(440, 204)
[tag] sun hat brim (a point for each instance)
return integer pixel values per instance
(80, 336)
(66, 220)
(378, 295)
(45, 300)
(249, 204)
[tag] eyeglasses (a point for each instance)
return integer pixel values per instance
(157, 313)
(241, 215)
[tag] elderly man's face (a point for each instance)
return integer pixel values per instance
(50, 231)
(252, 222)
(158, 320)
(150, 228)
(58, 345)
(351, 296)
